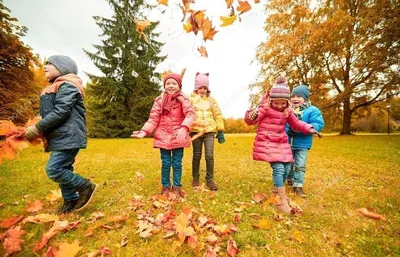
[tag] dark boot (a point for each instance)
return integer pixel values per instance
(86, 193)
(299, 191)
(212, 186)
(195, 183)
(290, 182)
(165, 191)
(68, 206)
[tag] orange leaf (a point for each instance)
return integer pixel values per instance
(57, 227)
(7, 223)
(258, 198)
(208, 30)
(188, 27)
(369, 214)
(181, 227)
(273, 200)
(141, 25)
(203, 51)
(102, 251)
(118, 218)
(165, 73)
(193, 242)
(41, 218)
(68, 250)
(12, 240)
(232, 248)
(228, 20)
(34, 206)
(183, 72)
(211, 252)
(163, 2)
(228, 3)
(243, 7)
(256, 1)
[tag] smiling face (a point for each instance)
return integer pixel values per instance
(279, 104)
(202, 91)
(171, 86)
(297, 100)
(51, 72)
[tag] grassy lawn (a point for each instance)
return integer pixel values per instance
(344, 173)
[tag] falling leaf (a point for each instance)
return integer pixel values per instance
(369, 214)
(163, 2)
(141, 25)
(203, 52)
(208, 30)
(165, 73)
(298, 236)
(188, 27)
(227, 20)
(7, 223)
(265, 224)
(183, 72)
(34, 206)
(12, 240)
(232, 248)
(243, 7)
(41, 218)
(258, 198)
(54, 195)
(256, 1)
(228, 3)
(68, 250)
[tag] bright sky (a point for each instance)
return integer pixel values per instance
(67, 27)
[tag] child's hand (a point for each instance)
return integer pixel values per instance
(31, 133)
(180, 135)
(312, 131)
(138, 134)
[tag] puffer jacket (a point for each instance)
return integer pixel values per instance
(271, 142)
(311, 115)
(208, 115)
(63, 114)
(166, 125)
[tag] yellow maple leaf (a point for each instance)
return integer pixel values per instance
(264, 224)
(68, 250)
(243, 7)
(188, 27)
(227, 20)
(163, 2)
(298, 236)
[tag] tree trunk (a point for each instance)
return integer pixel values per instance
(347, 112)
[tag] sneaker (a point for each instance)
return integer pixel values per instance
(212, 186)
(68, 206)
(165, 191)
(177, 191)
(86, 193)
(299, 191)
(195, 183)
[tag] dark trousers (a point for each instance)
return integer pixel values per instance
(208, 140)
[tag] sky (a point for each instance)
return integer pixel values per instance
(68, 27)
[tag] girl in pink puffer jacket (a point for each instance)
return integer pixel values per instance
(171, 117)
(271, 142)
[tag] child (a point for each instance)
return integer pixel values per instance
(300, 142)
(271, 142)
(63, 125)
(171, 117)
(208, 120)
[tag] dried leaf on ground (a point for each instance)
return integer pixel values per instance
(12, 240)
(34, 206)
(41, 218)
(232, 248)
(68, 250)
(7, 223)
(54, 195)
(57, 227)
(369, 214)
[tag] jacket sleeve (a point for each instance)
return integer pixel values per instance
(316, 119)
(217, 114)
(154, 118)
(188, 111)
(297, 124)
(65, 100)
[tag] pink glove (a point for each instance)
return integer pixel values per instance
(139, 134)
(180, 135)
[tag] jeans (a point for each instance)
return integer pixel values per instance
(297, 172)
(59, 169)
(280, 170)
(208, 140)
(171, 157)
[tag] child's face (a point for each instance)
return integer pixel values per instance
(51, 72)
(171, 86)
(202, 91)
(279, 104)
(297, 100)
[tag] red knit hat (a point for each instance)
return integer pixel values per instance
(174, 76)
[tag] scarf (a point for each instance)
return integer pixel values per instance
(298, 111)
(167, 102)
(71, 78)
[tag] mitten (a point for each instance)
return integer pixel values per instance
(180, 135)
(31, 133)
(221, 137)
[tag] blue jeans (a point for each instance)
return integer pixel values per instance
(297, 172)
(59, 169)
(280, 170)
(171, 158)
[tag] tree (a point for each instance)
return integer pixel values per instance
(346, 50)
(120, 100)
(19, 94)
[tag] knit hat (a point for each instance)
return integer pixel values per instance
(201, 80)
(64, 64)
(280, 90)
(174, 76)
(302, 91)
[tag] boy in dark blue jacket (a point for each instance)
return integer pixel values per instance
(300, 142)
(63, 125)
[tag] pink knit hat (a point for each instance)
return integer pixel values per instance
(201, 80)
(174, 76)
(280, 90)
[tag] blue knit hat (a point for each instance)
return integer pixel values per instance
(64, 64)
(302, 91)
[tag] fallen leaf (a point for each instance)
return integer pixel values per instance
(193, 242)
(96, 216)
(243, 7)
(369, 214)
(102, 251)
(7, 223)
(212, 238)
(118, 218)
(298, 236)
(232, 248)
(41, 218)
(258, 198)
(68, 250)
(1, 205)
(236, 218)
(124, 241)
(57, 227)
(227, 20)
(34, 206)
(12, 240)
(275, 199)
(139, 177)
(54, 195)
(265, 224)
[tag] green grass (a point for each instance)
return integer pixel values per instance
(343, 173)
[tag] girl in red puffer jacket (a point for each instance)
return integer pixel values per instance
(271, 142)
(170, 117)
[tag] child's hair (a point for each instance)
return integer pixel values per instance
(64, 64)
(201, 80)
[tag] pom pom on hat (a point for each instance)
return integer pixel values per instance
(174, 76)
(280, 90)
(64, 64)
(302, 91)
(201, 80)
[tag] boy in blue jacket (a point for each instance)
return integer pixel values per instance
(63, 125)
(300, 142)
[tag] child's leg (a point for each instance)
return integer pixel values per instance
(299, 166)
(197, 149)
(166, 162)
(59, 169)
(278, 175)
(290, 175)
(209, 154)
(177, 155)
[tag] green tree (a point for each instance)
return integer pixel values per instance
(120, 100)
(18, 92)
(347, 50)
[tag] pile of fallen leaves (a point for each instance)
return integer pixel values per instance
(13, 141)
